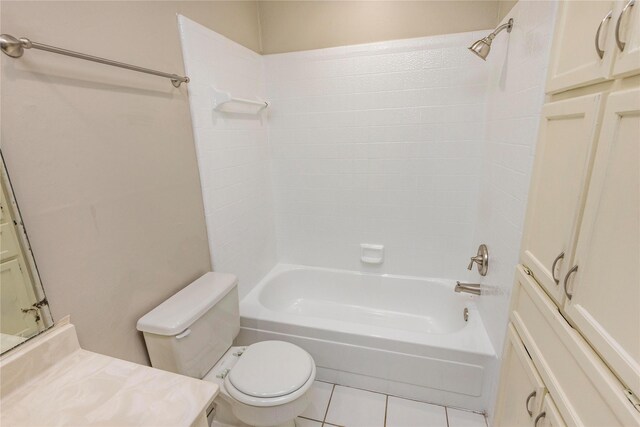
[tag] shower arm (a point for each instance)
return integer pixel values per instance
(508, 26)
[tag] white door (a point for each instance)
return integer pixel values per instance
(605, 289)
(576, 60)
(521, 389)
(564, 154)
(627, 40)
(14, 296)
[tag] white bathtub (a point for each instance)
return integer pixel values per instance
(404, 336)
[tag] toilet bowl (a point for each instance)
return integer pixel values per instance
(265, 384)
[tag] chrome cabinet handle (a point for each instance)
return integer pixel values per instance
(599, 50)
(555, 261)
(566, 279)
(538, 418)
(619, 42)
(526, 403)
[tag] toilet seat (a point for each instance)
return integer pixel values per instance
(270, 373)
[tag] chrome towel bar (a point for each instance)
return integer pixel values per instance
(14, 48)
(221, 98)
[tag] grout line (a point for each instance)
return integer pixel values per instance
(415, 400)
(432, 403)
(310, 419)
(326, 411)
(386, 409)
(412, 400)
(446, 408)
(370, 391)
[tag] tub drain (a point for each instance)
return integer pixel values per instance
(465, 314)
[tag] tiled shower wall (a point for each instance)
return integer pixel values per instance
(414, 144)
(378, 144)
(233, 155)
(517, 74)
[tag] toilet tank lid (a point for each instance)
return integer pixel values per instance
(185, 307)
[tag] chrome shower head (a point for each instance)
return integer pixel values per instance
(482, 47)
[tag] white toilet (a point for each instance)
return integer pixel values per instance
(264, 384)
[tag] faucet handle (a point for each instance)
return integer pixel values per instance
(477, 259)
(482, 259)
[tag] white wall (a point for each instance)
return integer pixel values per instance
(102, 161)
(517, 73)
(233, 156)
(378, 143)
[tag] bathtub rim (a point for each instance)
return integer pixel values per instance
(472, 339)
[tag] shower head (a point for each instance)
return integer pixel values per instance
(482, 47)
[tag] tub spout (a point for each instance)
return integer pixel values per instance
(470, 288)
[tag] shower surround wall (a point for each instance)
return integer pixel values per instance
(414, 144)
(381, 144)
(517, 73)
(232, 153)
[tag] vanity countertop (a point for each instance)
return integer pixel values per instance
(83, 388)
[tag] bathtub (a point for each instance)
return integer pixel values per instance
(404, 336)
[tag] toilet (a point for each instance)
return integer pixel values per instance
(262, 385)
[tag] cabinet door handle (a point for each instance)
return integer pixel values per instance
(538, 418)
(555, 261)
(599, 50)
(566, 279)
(526, 403)
(619, 42)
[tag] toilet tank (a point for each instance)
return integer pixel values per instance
(188, 333)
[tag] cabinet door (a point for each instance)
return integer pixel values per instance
(563, 159)
(14, 296)
(549, 416)
(627, 60)
(575, 60)
(4, 209)
(521, 389)
(9, 247)
(605, 289)
(583, 387)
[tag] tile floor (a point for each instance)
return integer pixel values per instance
(335, 405)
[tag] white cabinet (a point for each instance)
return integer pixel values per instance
(17, 291)
(605, 283)
(575, 60)
(627, 38)
(4, 209)
(594, 218)
(521, 391)
(582, 386)
(549, 416)
(594, 41)
(564, 155)
(9, 247)
(575, 305)
(14, 296)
